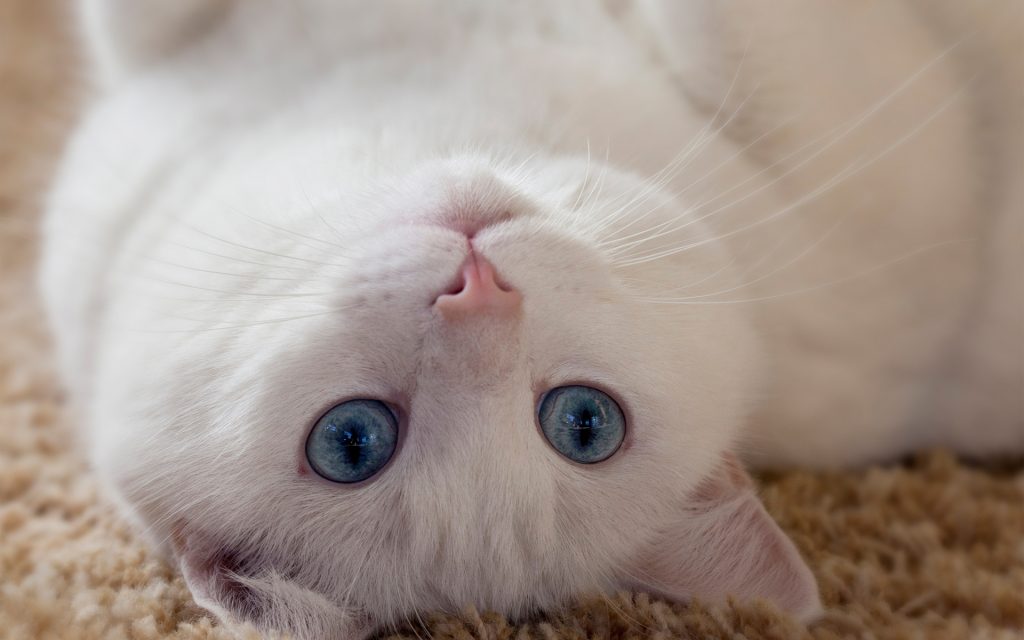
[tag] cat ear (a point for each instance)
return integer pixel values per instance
(239, 591)
(723, 544)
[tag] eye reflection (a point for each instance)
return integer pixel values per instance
(352, 441)
(582, 423)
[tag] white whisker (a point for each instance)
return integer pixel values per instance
(818, 287)
(233, 327)
(849, 171)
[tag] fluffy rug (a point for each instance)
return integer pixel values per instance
(932, 548)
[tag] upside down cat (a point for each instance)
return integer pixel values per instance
(372, 308)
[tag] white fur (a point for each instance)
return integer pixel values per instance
(725, 213)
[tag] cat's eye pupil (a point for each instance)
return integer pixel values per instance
(582, 423)
(352, 447)
(585, 420)
(352, 441)
(585, 435)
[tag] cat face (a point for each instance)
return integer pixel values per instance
(444, 307)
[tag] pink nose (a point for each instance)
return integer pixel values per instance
(477, 292)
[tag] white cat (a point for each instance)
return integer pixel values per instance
(375, 308)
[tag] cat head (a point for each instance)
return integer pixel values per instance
(459, 386)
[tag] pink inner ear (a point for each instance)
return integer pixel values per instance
(725, 544)
(238, 589)
(212, 574)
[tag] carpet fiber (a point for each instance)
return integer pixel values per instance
(932, 548)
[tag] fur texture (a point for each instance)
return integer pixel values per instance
(251, 224)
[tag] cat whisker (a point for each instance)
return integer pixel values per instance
(753, 266)
(843, 132)
(690, 152)
(683, 159)
(254, 276)
(333, 245)
(214, 254)
(809, 197)
(255, 249)
(211, 301)
(299, 294)
(818, 287)
(331, 228)
(598, 186)
(518, 172)
(234, 327)
(621, 243)
(850, 170)
(724, 268)
(860, 120)
(797, 258)
(741, 152)
(575, 208)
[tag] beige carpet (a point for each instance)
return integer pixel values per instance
(932, 549)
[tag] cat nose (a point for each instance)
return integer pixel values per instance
(477, 292)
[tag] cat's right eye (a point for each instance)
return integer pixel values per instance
(582, 423)
(352, 441)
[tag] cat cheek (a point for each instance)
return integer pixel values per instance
(725, 544)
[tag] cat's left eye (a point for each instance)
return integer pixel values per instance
(352, 441)
(582, 423)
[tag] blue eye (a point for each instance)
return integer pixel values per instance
(352, 441)
(582, 424)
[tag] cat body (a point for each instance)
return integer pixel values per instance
(800, 258)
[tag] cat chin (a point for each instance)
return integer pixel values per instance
(720, 544)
